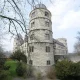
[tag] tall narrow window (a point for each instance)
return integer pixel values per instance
(46, 23)
(32, 37)
(47, 49)
(32, 24)
(48, 62)
(47, 14)
(47, 36)
(31, 49)
(31, 62)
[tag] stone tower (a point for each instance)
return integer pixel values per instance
(40, 39)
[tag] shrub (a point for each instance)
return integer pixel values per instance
(20, 70)
(39, 76)
(6, 67)
(29, 71)
(67, 70)
(18, 55)
(4, 75)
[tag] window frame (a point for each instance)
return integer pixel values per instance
(31, 48)
(46, 14)
(48, 62)
(47, 36)
(30, 62)
(47, 48)
(32, 37)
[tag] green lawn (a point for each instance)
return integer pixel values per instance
(12, 69)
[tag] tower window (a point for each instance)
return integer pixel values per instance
(47, 36)
(47, 24)
(32, 37)
(31, 62)
(32, 24)
(31, 49)
(47, 14)
(48, 62)
(47, 49)
(33, 14)
(25, 45)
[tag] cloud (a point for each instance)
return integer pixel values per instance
(70, 20)
(65, 14)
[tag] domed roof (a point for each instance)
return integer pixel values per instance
(40, 6)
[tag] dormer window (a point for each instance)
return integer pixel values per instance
(32, 24)
(47, 14)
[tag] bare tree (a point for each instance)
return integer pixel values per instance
(77, 44)
(13, 16)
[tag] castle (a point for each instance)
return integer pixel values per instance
(39, 45)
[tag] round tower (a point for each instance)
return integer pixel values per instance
(40, 39)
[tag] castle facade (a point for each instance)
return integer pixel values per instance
(39, 45)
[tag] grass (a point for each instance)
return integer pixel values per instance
(12, 69)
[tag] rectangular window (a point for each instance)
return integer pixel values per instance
(48, 62)
(47, 14)
(31, 62)
(32, 24)
(47, 24)
(47, 37)
(25, 45)
(32, 37)
(31, 49)
(47, 49)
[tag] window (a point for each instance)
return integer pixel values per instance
(48, 62)
(32, 24)
(46, 14)
(25, 45)
(47, 24)
(31, 62)
(47, 49)
(47, 37)
(31, 49)
(33, 14)
(32, 37)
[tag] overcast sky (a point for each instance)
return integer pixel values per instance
(65, 21)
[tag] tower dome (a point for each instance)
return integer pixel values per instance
(40, 6)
